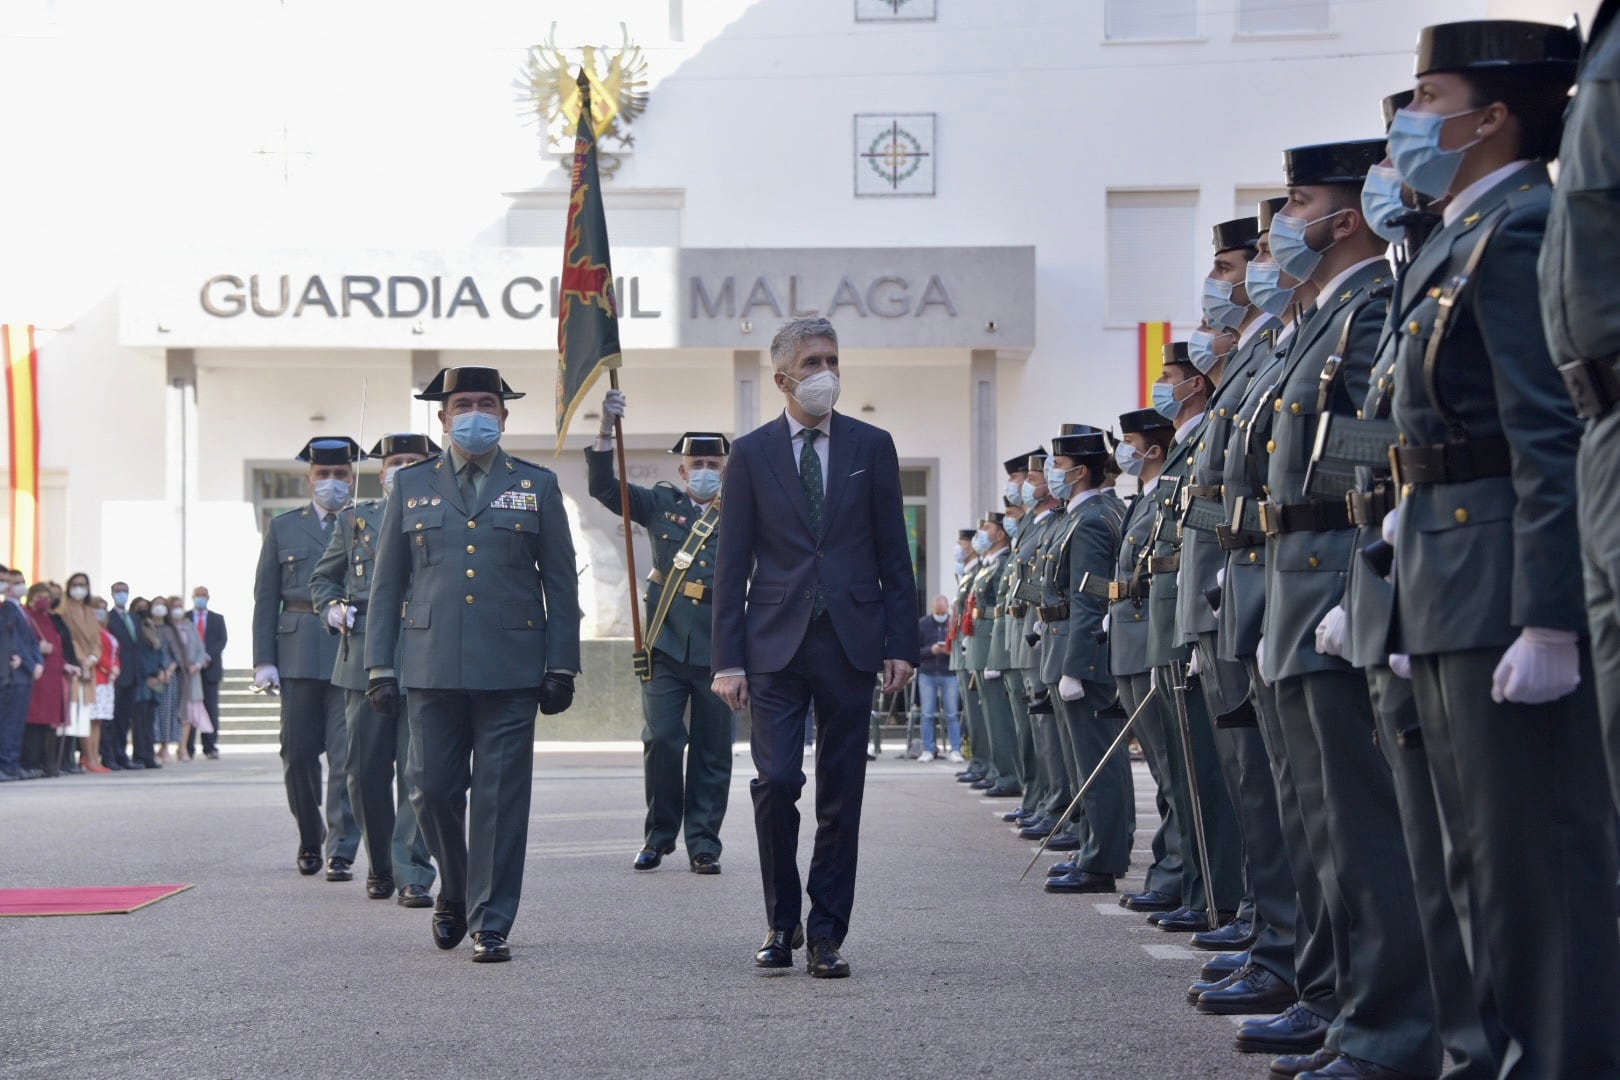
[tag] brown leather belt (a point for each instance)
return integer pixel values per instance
(302, 607)
(1205, 491)
(1317, 515)
(1244, 530)
(1370, 508)
(1593, 385)
(1113, 591)
(1017, 611)
(1451, 463)
(1053, 614)
(1164, 564)
(690, 589)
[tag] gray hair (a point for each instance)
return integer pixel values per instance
(794, 333)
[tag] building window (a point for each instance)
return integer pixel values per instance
(1150, 20)
(1283, 16)
(278, 490)
(1150, 237)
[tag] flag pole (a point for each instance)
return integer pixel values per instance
(624, 507)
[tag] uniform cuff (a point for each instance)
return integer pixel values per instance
(380, 672)
(730, 673)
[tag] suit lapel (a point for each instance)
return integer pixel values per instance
(840, 452)
(1436, 252)
(310, 521)
(779, 452)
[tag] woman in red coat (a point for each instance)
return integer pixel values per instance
(47, 709)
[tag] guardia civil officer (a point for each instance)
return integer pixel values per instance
(474, 552)
(683, 716)
(1145, 438)
(1017, 620)
(1074, 662)
(1580, 303)
(1386, 1018)
(992, 544)
(967, 564)
(293, 653)
(379, 747)
(1488, 593)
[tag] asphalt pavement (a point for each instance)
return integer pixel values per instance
(959, 970)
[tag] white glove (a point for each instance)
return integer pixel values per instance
(339, 616)
(1541, 666)
(1260, 660)
(991, 673)
(1192, 663)
(1330, 633)
(266, 675)
(1220, 577)
(1388, 530)
(1071, 688)
(612, 409)
(1039, 627)
(1401, 665)
(1105, 621)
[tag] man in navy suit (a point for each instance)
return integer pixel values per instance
(211, 628)
(814, 595)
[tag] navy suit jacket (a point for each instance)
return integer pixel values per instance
(769, 562)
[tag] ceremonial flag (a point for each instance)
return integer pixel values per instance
(1151, 338)
(588, 314)
(22, 410)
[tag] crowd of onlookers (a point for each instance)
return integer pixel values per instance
(92, 686)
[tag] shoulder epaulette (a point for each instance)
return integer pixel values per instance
(525, 461)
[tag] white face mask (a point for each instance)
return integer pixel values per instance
(78, 592)
(818, 394)
(388, 479)
(940, 618)
(160, 611)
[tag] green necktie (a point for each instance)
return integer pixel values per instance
(810, 477)
(326, 525)
(469, 483)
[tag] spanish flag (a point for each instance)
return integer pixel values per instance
(22, 410)
(1151, 338)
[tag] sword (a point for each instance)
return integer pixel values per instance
(354, 529)
(1178, 675)
(1092, 779)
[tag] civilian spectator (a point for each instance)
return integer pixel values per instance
(104, 677)
(194, 656)
(47, 710)
(79, 616)
(936, 683)
(150, 679)
(19, 651)
(210, 627)
(115, 733)
(172, 653)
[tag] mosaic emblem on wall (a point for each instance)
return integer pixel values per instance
(894, 154)
(894, 10)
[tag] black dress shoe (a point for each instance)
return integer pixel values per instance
(825, 962)
(1291, 1065)
(705, 864)
(151, 765)
(1037, 830)
(379, 888)
(1151, 900)
(1218, 967)
(309, 861)
(1067, 841)
(649, 858)
(971, 775)
(1297, 1030)
(1081, 881)
(490, 947)
(1018, 816)
(132, 766)
(983, 783)
(1004, 791)
(1176, 912)
(414, 896)
(1345, 1067)
(1184, 921)
(1058, 869)
(337, 869)
(449, 924)
(777, 952)
(1252, 990)
(1238, 934)
(1199, 988)
(211, 755)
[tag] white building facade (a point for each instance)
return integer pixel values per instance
(238, 226)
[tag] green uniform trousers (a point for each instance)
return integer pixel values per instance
(1220, 820)
(1109, 806)
(1164, 872)
(1015, 682)
(671, 747)
(312, 724)
(998, 722)
(379, 759)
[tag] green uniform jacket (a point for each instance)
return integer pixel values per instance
(1477, 561)
(1164, 641)
(1089, 543)
(1019, 654)
(487, 594)
(295, 641)
(668, 515)
(1032, 553)
(1128, 619)
(1369, 600)
(964, 589)
(1243, 597)
(1305, 571)
(1000, 658)
(986, 595)
(344, 572)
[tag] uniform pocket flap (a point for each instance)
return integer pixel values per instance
(526, 521)
(866, 593)
(523, 615)
(418, 615)
(287, 622)
(423, 519)
(767, 594)
(1443, 507)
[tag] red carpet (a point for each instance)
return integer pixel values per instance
(89, 900)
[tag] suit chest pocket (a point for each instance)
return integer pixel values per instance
(295, 567)
(424, 531)
(519, 532)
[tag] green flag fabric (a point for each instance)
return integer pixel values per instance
(588, 316)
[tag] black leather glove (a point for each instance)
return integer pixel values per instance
(383, 693)
(556, 692)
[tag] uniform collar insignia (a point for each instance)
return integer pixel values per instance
(1349, 294)
(1471, 220)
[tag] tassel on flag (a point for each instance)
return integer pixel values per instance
(1151, 338)
(22, 409)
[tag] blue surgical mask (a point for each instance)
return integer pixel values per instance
(1414, 147)
(1129, 459)
(1291, 250)
(1014, 492)
(1219, 307)
(1027, 492)
(475, 432)
(981, 542)
(961, 560)
(331, 495)
(1381, 200)
(200, 603)
(1264, 282)
(121, 597)
(1058, 483)
(1011, 526)
(1165, 400)
(1201, 350)
(703, 484)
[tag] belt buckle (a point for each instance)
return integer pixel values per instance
(1116, 591)
(683, 560)
(1395, 470)
(1270, 519)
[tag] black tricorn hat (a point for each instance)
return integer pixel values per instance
(1394, 104)
(1332, 163)
(404, 442)
(1143, 420)
(1020, 463)
(1496, 44)
(1037, 462)
(331, 450)
(992, 515)
(702, 444)
(1080, 441)
(467, 380)
(1175, 352)
(1268, 209)
(965, 534)
(1243, 232)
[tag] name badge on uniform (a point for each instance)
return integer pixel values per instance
(517, 500)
